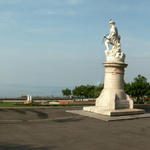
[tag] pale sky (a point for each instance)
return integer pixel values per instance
(58, 43)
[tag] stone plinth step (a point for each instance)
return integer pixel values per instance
(109, 118)
(123, 112)
(117, 112)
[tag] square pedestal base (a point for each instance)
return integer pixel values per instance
(108, 118)
(117, 112)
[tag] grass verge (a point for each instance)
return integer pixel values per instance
(11, 104)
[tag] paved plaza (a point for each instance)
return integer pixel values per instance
(55, 129)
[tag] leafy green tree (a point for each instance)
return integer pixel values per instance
(138, 88)
(148, 93)
(80, 91)
(127, 88)
(66, 92)
(87, 91)
(97, 90)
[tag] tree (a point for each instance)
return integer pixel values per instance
(87, 91)
(80, 91)
(138, 88)
(127, 88)
(98, 90)
(66, 92)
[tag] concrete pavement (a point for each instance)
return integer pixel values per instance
(55, 129)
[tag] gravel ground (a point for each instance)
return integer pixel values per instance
(55, 129)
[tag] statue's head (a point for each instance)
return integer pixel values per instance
(111, 22)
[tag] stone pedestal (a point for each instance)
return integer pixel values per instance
(113, 100)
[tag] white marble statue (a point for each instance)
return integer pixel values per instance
(113, 38)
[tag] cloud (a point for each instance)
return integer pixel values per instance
(56, 2)
(51, 12)
(7, 17)
(10, 1)
(50, 30)
(75, 2)
(136, 47)
(60, 12)
(71, 13)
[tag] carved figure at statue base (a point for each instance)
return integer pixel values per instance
(114, 55)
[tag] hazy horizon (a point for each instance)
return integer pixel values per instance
(8, 91)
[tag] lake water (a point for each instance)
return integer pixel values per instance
(16, 91)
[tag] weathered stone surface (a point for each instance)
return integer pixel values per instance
(113, 112)
(137, 115)
(113, 100)
(113, 96)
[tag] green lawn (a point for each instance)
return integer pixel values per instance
(11, 104)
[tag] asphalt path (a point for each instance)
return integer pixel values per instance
(55, 129)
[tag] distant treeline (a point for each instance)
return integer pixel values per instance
(139, 88)
(84, 91)
(37, 98)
